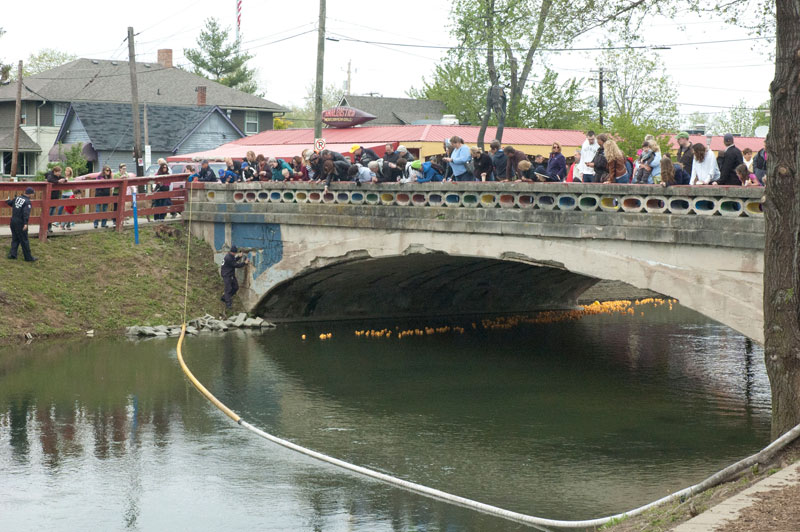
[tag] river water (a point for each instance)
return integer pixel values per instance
(563, 419)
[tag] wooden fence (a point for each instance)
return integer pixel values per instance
(119, 202)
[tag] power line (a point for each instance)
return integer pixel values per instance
(731, 89)
(161, 20)
(140, 72)
(340, 37)
(723, 106)
(383, 31)
(289, 30)
(312, 30)
(400, 51)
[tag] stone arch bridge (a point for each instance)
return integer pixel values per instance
(393, 250)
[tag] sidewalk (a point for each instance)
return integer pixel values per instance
(755, 508)
(82, 228)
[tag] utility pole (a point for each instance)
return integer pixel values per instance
(146, 135)
(137, 127)
(147, 153)
(600, 91)
(17, 120)
(320, 68)
(601, 72)
(348, 77)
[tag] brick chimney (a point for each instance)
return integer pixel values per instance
(165, 57)
(201, 95)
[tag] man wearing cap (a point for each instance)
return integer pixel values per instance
(728, 160)
(231, 261)
(363, 156)
(685, 153)
(205, 173)
(20, 213)
(413, 171)
(403, 152)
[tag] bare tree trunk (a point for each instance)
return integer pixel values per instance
(520, 79)
(499, 104)
(489, 23)
(782, 214)
(485, 120)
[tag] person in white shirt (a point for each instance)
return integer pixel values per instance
(588, 151)
(747, 155)
(704, 167)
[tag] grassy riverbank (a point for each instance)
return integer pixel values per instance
(668, 516)
(102, 281)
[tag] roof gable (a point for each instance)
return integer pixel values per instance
(396, 111)
(109, 125)
(89, 80)
(25, 142)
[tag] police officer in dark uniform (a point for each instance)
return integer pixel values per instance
(20, 213)
(233, 259)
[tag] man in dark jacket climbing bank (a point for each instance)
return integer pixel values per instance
(20, 213)
(233, 259)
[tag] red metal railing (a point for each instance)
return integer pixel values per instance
(119, 200)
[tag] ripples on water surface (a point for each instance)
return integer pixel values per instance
(565, 420)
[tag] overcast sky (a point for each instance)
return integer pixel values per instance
(708, 77)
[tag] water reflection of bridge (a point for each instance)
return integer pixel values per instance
(126, 407)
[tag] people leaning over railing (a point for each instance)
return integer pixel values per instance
(598, 160)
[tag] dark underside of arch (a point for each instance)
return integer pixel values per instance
(422, 285)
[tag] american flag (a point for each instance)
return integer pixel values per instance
(238, 16)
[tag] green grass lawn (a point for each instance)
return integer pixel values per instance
(102, 281)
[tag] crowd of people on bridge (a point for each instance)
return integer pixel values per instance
(598, 160)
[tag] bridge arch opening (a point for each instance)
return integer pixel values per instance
(422, 285)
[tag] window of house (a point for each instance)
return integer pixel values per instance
(25, 165)
(251, 123)
(59, 111)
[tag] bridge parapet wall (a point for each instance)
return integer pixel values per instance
(676, 200)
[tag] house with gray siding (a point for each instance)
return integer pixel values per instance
(46, 97)
(106, 133)
(29, 152)
(396, 111)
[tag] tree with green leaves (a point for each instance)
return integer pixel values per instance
(43, 60)
(73, 158)
(547, 103)
(458, 82)
(5, 70)
(639, 88)
(217, 59)
(553, 105)
(304, 114)
(514, 33)
(698, 119)
(741, 119)
(630, 133)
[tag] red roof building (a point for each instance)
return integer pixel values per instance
(421, 140)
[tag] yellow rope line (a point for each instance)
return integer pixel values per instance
(197, 384)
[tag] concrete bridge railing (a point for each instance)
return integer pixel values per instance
(705, 201)
(468, 247)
